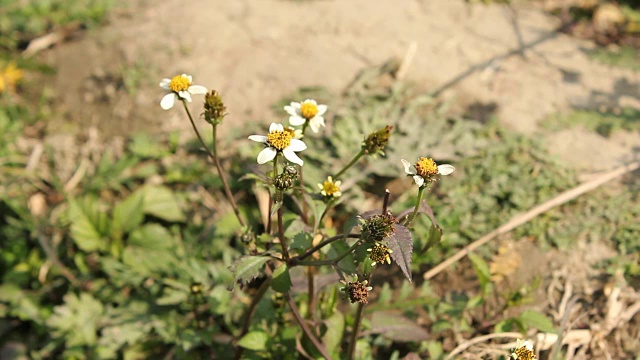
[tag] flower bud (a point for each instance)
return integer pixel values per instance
(214, 108)
(376, 142)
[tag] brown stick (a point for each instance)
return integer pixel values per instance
(525, 217)
(305, 328)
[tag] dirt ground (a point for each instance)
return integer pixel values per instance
(255, 52)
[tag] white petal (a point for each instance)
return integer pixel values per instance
(419, 180)
(291, 156)
(445, 169)
(295, 105)
(297, 145)
(258, 138)
(527, 344)
(185, 95)
(167, 101)
(197, 89)
(291, 110)
(165, 83)
(310, 101)
(266, 155)
(407, 167)
(296, 120)
(322, 109)
(316, 122)
(274, 127)
(189, 77)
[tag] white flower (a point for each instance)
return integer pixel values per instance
(281, 140)
(425, 170)
(523, 351)
(181, 87)
(308, 110)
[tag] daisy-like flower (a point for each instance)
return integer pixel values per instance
(523, 351)
(279, 140)
(426, 170)
(181, 87)
(306, 111)
(330, 188)
(379, 254)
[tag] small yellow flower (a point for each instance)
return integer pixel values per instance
(425, 170)
(330, 188)
(180, 87)
(9, 77)
(307, 111)
(380, 254)
(523, 351)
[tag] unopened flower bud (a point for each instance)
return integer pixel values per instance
(376, 142)
(214, 108)
(378, 227)
(285, 180)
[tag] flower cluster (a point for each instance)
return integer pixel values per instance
(379, 254)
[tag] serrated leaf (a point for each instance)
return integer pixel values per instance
(129, 214)
(352, 222)
(538, 320)
(246, 268)
(86, 223)
(338, 248)
(401, 244)
(281, 281)
(255, 340)
(161, 202)
(301, 241)
(397, 327)
(77, 320)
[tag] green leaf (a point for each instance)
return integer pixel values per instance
(246, 268)
(401, 244)
(152, 236)
(87, 221)
(482, 270)
(129, 214)
(146, 146)
(281, 279)
(172, 297)
(301, 241)
(338, 248)
(77, 321)
(161, 202)
(397, 327)
(333, 337)
(537, 320)
(255, 340)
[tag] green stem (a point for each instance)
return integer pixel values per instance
(354, 332)
(295, 262)
(415, 210)
(323, 244)
(350, 164)
(213, 155)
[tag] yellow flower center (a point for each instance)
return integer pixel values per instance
(280, 139)
(380, 254)
(426, 167)
(308, 110)
(330, 188)
(524, 354)
(179, 83)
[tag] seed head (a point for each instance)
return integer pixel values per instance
(214, 108)
(378, 227)
(376, 142)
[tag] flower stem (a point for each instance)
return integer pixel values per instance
(415, 210)
(355, 331)
(323, 244)
(295, 262)
(305, 328)
(213, 155)
(350, 164)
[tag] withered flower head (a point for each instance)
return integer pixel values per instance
(357, 291)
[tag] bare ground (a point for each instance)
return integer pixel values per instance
(255, 52)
